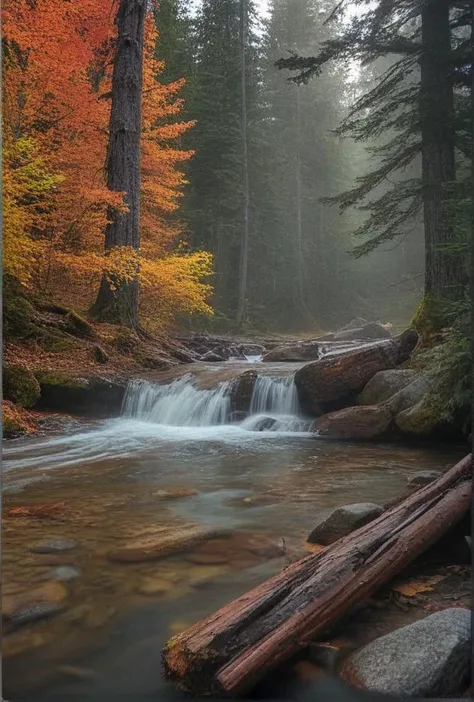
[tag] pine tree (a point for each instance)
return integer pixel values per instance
(414, 106)
(215, 198)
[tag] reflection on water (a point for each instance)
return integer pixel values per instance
(124, 481)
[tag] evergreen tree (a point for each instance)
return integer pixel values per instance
(413, 101)
(215, 197)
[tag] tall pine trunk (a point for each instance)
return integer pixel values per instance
(443, 272)
(244, 242)
(119, 302)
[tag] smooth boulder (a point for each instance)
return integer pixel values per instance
(304, 351)
(424, 477)
(385, 384)
(372, 330)
(428, 658)
(365, 422)
(410, 395)
(420, 420)
(212, 357)
(333, 379)
(342, 521)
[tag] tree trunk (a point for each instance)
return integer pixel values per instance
(244, 245)
(444, 271)
(119, 302)
(229, 652)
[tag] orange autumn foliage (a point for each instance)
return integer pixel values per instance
(56, 83)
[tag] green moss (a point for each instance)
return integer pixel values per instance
(47, 377)
(20, 386)
(17, 310)
(429, 317)
(419, 420)
(79, 326)
(54, 342)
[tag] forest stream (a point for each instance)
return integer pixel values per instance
(172, 459)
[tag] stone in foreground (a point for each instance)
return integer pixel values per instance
(385, 384)
(167, 543)
(342, 521)
(429, 658)
(423, 477)
(365, 422)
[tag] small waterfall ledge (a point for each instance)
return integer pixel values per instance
(274, 404)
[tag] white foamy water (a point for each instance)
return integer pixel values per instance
(178, 404)
(170, 415)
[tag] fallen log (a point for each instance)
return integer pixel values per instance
(227, 653)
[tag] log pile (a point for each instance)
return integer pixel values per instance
(227, 653)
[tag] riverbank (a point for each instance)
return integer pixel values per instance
(109, 618)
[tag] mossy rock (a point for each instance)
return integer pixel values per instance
(20, 386)
(78, 326)
(421, 419)
(53, 342)
(17, 311)
(47, 377)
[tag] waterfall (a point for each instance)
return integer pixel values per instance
(274, 395)
(177, 404)
(273, 407)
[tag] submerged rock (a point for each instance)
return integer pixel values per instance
(263, 424)
(365, 422)
(164, 544)
(54, 546)
(429, 658)
(342, 521)
(385, 384)
(37, 603)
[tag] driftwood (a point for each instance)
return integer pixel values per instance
(228, 652)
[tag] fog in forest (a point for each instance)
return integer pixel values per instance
(302, 274)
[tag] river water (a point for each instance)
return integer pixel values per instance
(173, 458)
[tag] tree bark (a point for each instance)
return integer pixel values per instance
(244, 243)
(444, 271)
(119, 302)
(227, 653)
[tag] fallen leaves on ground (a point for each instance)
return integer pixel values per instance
(415, 586)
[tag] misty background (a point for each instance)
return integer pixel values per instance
(301, 274)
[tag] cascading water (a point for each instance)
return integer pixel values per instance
(178, 404)
(274, 404)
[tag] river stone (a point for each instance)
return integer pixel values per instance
(428, 658)
(423, 477)
(385, 384)
(343, 521)
(338, 378)
(66, 572)
(303, 351)
(366, 422)
(264, 424)
(37, 603)
(409, 396)
(419, 420)
(212, 357)
(242, 391)
(177, 540)
(54, 546)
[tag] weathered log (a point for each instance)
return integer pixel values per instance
(228, 652)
